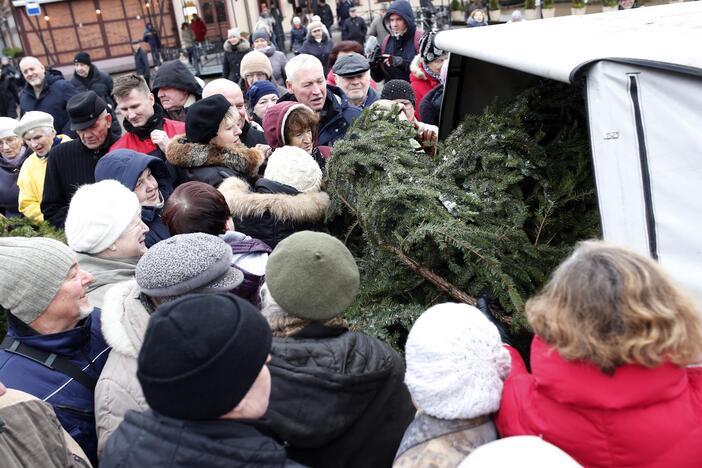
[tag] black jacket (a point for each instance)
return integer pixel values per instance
(52, 100)
(175, 74)
(430, 107)
(326, 15)
(273, 211)
(354, 29)
(141, 64)
(321, 50)
(231, 63)
(96, 81)
(338, 398)
(150, 439)
(9, 97)
(404, 46)
(251, 137)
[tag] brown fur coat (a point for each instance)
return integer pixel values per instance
(182, 153)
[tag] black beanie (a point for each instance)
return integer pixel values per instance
(82, 57)
(203, 118)
(201, 355)
(398, 89)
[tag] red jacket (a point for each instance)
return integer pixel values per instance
(638, 417)
(132, 142)
(199, 29)
(421, 82)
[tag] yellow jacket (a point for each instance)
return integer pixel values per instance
(31, 184)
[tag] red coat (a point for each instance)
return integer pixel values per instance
(421, 82)
(638, 417)
(199, 29)
(132, 142)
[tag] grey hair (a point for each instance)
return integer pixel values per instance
(269, 308)
(301, 62)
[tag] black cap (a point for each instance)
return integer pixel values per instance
(203, 118)
(351, 64)
(82, 57)
(84, 109)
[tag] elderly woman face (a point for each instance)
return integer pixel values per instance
(10, 147)
(130, 244)
(146, 189)
(317, 34)
(263, 104)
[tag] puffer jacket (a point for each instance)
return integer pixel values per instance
(442, 443)
(404, 46)
(52, 100)
(638, 416)
(212, 164)
(232, 59)
(421, 82)
(278, 62)
(338, 115)
(273, 211)
(107, 272)
(321, 50)
(126, 166)
(83, 345)
(337, 398)
(151, 439)
(124, 321)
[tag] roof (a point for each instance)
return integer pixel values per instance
(555, 48)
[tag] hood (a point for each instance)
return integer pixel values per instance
(301, 207)
(321, 386)
(125, 166)
(182, 153)
(583, 384)
(404, 9)
(176, 75)
(242, 46)
(325, 36)
(274, 122)
(124, 319)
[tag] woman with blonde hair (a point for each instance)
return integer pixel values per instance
(610, 383)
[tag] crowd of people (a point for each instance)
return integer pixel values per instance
(196, 314)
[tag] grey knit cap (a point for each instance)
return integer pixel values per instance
(33, 270)
(187, 263)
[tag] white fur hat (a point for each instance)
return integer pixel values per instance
(98, 214)
(456, 362)
(522, 451)
(292, 166)
(7, 127)
(32, 120)
(234, 32)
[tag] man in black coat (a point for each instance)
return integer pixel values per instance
(72, 164)
(176, 89)
(87, 77)
(324, 12)
(354, 28)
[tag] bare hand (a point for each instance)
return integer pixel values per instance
(265, 149)
(160, 139)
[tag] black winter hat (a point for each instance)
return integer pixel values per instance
(201, 355)
(398, 89)
(203, 118)
(84, 109)
(82, 57)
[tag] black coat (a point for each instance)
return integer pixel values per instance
(231, 63)
(321, 50)
(251, 137)
(52, 100)
(430, 107)
(141, 63)
(354, 29)
(149, 439)
(96, 81)
(338, 398)
(273, 211)
(9, 97)
(326, 15)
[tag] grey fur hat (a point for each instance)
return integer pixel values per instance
(187, 263)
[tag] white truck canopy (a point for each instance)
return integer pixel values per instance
(643, 81)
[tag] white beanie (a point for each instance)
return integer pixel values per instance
(98, 214)
(234, 32)
(521, 451)
(456, 362)
(296, 20)
(7, 127)
(292, 166)
(32, 120)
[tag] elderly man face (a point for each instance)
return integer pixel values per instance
(94, 136)
(172, 98)
(40, 140)
(82, 69)
(70, 303)
(33, 71)
(355, 87)
(309, 87)
(231, 92)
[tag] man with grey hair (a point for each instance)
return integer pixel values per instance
(37, 130)
(306, 84)
(250, 135)
(46, 91)
(352, 74)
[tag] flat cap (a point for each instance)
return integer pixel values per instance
(84, 109)
(351, 64)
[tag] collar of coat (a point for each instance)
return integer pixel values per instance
(124, 319)
(302, 207)
(182, 153)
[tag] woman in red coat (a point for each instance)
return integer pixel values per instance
(425, 69)
(609, 382)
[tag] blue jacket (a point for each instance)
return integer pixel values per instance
(403, 46)
(83, 345)
(338, 115)
(125, 166)
(52, 100)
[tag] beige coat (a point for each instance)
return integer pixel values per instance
(124, 321)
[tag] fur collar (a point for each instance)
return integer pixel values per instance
(304, 207)
(242, 46)
(180, 152)
(416, 68)
(124, 319)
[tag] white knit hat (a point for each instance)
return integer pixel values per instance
(296, 20)
(7, 127)
(32, 120)
(522, 451)
(292, 166)
(98, 214)
(456, 362)
(234, 32)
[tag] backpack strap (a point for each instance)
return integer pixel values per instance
(418, 33)
(51, 360)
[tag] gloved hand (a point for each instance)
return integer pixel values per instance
(482, 305)
(394, 61)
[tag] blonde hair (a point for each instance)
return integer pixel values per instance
(230, 117)
(611, 306)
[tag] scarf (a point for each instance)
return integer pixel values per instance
(155, 122)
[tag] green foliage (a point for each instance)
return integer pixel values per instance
(23, 227)
(610, 3)
(578, 3)
(456, 5)
(549, 4)
(12, 52)
(507, 196)
(494, 4)
(529, 4)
